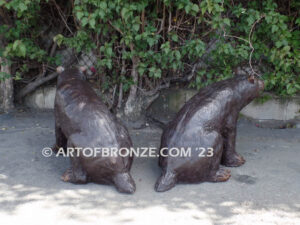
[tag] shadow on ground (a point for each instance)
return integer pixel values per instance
(264, 190)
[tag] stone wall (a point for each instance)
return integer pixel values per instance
(275, 112)
(42, 98)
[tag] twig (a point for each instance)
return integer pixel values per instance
(162, 21)
(113, 98)
(74, 17)
(120, 96)
(248, 41)
(251, 46)
(62, 17)
(38, 82)
(143, 20)
(154, 91)
(123, 72)
(116, 28)
(170, 21)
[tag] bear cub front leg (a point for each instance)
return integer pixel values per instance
(230, 157)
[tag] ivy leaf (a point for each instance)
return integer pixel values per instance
(286, 48)
(187, 8)
(138, 37)
(15, 45)
(22, 7)
(22, 50)
(174, 37)
(84, 21)
(203, 9)
(226, 21)
(101, 13)
(79, 15)
(274, 28)
(195, 8)
(92, 23)
(136, 27)
(157, 73)
(103, 5)
(209, 6)
(151, 41)
(124, 13)
(58, 39)
(141, 68)
(178, 55)
(278, 44)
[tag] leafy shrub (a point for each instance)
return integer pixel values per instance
(163, 39)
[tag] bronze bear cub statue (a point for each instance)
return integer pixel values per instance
(83, 121)
(207, 125)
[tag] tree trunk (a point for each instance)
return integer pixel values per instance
(131, 109)
(6, 88)
(138, 100)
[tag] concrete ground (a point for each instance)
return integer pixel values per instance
(266, 190)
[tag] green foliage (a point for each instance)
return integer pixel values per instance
(119, 23)
(164, 39)
(275, 40)
(21, 35)
(262, 99)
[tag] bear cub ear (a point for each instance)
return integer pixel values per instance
(82, 69)
(60, 69)
(251, 79)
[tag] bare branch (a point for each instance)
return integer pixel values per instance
(162, 24)
(41, 80)
(143, 20)
(154, 91)
(170, 20)
(123, 72)
(116, 28)
(62, 17)
(248, 41)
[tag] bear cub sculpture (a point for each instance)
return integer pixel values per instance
(83, 121)
(207, 125)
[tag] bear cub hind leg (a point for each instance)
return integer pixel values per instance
(76, 173)
(221, 175)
